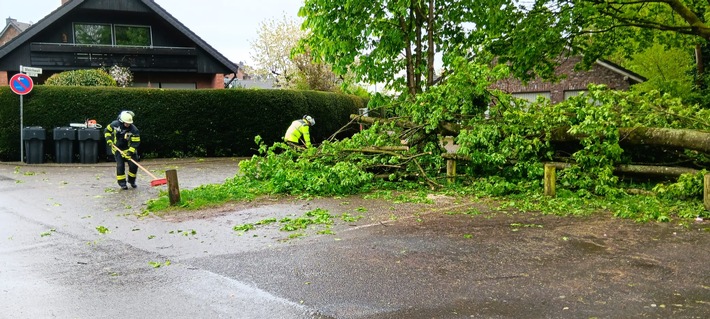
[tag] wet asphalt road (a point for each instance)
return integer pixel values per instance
(398, 261)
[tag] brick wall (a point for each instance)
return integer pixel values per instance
(9, 34)
(575, 80)
(217, 82)
(4, 80)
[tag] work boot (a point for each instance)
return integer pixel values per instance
(134, 185)
(124, 187)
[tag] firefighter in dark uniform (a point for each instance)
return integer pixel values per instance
(124, 135)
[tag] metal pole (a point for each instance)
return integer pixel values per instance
(22, 137)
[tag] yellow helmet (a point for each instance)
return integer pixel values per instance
(126, 117)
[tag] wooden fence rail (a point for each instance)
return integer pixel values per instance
(550, 175)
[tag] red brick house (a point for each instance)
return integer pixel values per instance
(12, 29)
(139, 34)
(574, 82)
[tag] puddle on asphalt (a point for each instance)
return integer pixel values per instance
(587, 247)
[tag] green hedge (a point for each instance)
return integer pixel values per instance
(176, 123)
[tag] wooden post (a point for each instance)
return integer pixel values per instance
(549, 180)
(706, 191)
(173, 187)
(451, 170)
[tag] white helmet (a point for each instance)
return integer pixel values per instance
(310, 120)
(126, 117)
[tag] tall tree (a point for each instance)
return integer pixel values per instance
(272, 49)
(313, 75)
(395, 42)
(273, 52)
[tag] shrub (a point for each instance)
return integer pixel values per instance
(94, 77)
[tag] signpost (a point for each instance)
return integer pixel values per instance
(22, 84)
(30, 70)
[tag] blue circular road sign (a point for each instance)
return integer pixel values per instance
(21, 84)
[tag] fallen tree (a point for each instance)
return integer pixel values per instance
(669, 137)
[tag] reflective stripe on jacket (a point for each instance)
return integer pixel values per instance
(125, 138)
(298, 129)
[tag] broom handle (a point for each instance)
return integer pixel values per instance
(134, 162)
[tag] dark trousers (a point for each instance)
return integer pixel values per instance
(121, 169)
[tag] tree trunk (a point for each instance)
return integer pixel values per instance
(430, 45)
(679, 138)
(700, 66)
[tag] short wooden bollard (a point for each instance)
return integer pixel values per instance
(173, 187)
(549, 180)
(451, 170)
(706, 191)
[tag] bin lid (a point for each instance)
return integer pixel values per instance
(64, 133)
(89, 134)
(33, 133)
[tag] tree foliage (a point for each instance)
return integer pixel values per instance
(272, 49)
(273, 52)
(397, 42)
(313, 75)
(668, 70)
(599, 28)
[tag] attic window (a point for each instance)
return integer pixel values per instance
(132, 35)
(106, 34)
(85, 33)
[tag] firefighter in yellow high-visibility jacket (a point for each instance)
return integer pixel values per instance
(299, 131)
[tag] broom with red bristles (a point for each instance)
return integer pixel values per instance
(156, 181)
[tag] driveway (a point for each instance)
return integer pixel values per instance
(74, 246)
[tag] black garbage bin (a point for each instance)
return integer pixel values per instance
(64, 138)
(88, 145)
(33, 137)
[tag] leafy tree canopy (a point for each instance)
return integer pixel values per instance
(272, 52)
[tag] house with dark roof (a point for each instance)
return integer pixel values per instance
(573, 82)
(12, 29)
(160, 51)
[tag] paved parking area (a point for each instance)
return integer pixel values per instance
(83, 249)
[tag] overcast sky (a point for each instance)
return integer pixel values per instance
(227, 25)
